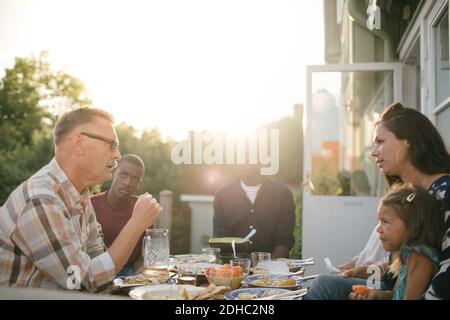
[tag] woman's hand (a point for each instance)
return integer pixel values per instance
(359, 272)
(361, 292)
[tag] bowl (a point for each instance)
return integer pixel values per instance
(225, 276)
(218, 281)
(165, 292)
(224, 244)
(252, 293)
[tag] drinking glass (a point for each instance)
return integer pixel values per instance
(211, 255)
(187, 273)
(260, 270)
(258, 257)
(243, 263)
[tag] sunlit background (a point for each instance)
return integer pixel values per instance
(178, 65)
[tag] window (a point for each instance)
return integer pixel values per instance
(443, 123)
(441, 57)
(442, 71)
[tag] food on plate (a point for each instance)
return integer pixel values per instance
(212, 292)
(360, 290)
(251, 294)
(168, 295)
(177, 292)
(246, 296)
(140, 279)
(268, 281)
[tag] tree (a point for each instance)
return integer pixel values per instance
(31, 94)
(291, 148)
(19, 164)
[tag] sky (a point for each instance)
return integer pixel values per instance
(179, 65)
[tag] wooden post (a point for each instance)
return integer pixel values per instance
(165, 200)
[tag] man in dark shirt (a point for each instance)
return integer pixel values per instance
(253, 201)
(113, 207)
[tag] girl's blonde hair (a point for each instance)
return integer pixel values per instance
(421, 214)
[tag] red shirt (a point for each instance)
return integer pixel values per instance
(113, 220)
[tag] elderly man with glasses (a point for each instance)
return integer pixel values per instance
(49, 235)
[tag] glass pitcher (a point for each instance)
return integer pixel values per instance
(155, 251)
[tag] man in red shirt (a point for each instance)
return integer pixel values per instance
(114, 207)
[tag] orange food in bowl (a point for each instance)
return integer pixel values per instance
(221, 273)
(360, 290)
(237, 271)
(225, 276)
(209, 270)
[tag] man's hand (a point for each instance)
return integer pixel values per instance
(146, 211)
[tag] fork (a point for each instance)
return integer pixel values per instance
(294, 293)
(293, 297)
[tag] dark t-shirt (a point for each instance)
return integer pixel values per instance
(272, 214)
(113, 220)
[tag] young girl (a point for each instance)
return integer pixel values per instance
(411, 227)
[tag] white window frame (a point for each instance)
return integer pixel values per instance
(397, 70)
(432, 109)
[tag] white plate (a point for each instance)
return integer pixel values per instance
(164, 292)
(253, 293)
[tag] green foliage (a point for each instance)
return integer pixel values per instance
(291, 149)
(19, 164)
(326, 182)
(31, 93)
(296, 250)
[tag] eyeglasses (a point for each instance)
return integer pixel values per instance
(113, 144)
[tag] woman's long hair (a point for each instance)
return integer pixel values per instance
(427, 151)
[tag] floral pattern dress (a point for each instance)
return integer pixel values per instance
(440, 288)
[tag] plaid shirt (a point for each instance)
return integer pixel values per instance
(50, 238)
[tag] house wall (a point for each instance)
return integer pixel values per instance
(202, 212)
(337, 236)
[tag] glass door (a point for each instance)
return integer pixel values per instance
(342, 183)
